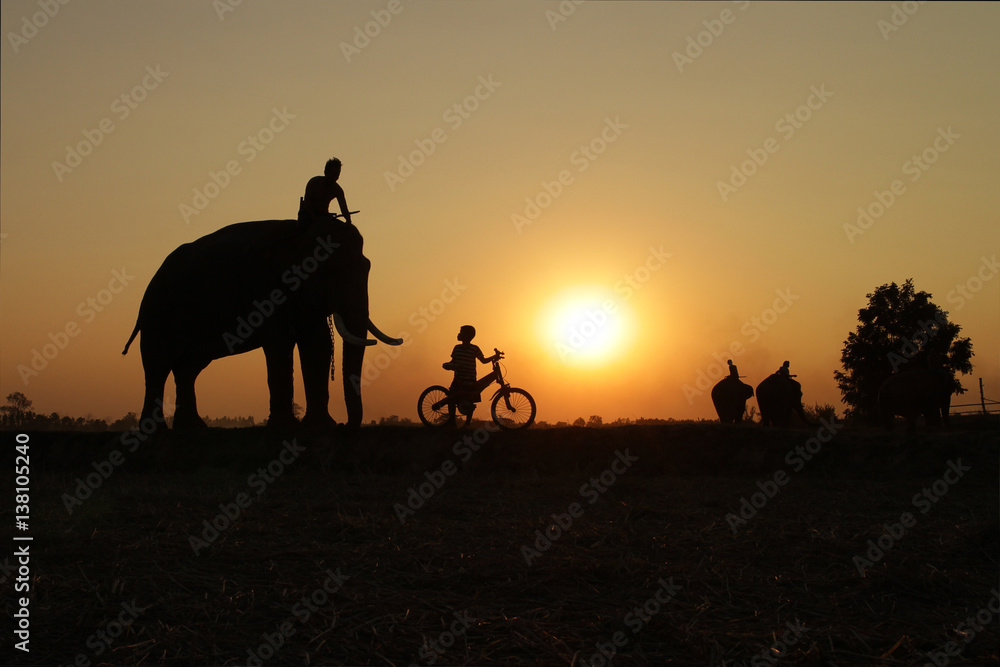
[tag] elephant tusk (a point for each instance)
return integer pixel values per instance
(382, 337)
(348, 337)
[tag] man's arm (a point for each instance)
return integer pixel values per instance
(342, 202)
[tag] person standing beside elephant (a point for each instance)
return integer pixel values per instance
(320, 191)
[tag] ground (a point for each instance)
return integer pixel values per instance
(626, 545)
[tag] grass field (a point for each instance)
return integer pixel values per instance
(573, 546)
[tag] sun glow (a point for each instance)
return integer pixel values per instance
(587, 327)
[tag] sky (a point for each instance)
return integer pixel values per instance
(620, 196)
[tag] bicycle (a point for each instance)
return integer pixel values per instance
(512, 408)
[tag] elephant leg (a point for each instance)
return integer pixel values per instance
(279, 358)
(186, 411)
(315, 347)
(152, 404)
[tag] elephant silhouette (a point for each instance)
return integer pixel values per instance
(729, 395)
(778, 396)
(268, 284)
(914, 392)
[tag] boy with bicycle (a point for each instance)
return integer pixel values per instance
(465, 388)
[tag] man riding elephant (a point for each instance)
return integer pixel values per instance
(320, 191)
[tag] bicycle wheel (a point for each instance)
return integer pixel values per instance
(433, 406)
(513, 409)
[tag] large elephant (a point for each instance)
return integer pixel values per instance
(778, 396)
(915, 392)
(269, 284)
(730, 398)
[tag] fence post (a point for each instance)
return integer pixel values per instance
(982, 399)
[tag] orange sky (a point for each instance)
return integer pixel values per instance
(615, 196)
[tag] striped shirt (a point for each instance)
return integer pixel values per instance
(463, 360)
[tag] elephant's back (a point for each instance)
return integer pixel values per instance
(775, 383)
(238, 238)
(235, 247)
(207, 269)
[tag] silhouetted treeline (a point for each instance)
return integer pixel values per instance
(17, 414)
(593, 422)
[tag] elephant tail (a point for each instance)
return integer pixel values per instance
(135, 332)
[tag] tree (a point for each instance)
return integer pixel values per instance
(899, 329)
(18, 410)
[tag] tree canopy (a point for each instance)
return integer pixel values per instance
(899, 329)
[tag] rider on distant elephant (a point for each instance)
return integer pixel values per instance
(320, 191)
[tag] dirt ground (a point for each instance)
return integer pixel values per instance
(681, 544)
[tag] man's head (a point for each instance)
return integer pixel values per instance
(466, 333)
(332, 169)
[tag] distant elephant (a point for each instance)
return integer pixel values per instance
(730, 398)
(916, 392)
(778, 396)
(267, 284)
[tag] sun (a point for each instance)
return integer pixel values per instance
(587, 326)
